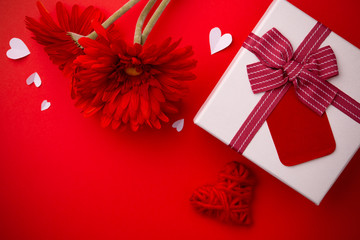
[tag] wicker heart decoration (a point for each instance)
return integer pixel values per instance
(230, 198)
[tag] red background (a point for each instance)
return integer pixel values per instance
(62, 176)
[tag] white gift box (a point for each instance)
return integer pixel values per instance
(232, 100)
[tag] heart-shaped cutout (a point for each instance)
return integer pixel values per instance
(34, 78)
(179, 125)
(230, 199)
(18, 49)
(45, 105)
(218, 42)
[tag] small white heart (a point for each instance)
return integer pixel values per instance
(45, 105)
(34, 78)
(179, 124)
(218, 42)
(18, 49)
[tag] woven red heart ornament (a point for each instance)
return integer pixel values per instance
(230, 198)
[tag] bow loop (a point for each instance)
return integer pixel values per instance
(307, 69)
(273, 49)
(323, 63)
(280, 43)
(263, 78)
(314, 92)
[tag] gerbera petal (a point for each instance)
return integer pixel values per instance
(149, 54)
(145, 107)
(134, 103)
(115, 124)
(90, 111)
(110, 107)
(134, 126)
(118, 47)
(125, 116)
(154, 82)
(155, 121)
(99, 29)
(166, 80)
(90, 43)
(175, 55)
(185, 76)
(105, 120)
(89, 14)
(97, 99)
(46, 16)
(168, 49)
(173, 97)
(163, 117)
(63, 16)
(155, 105)
(157, 94)
(180, 64)
(140, 118)
(74, 19)
(169, 108)
(109, 92)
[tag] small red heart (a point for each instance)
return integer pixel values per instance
(230, 198)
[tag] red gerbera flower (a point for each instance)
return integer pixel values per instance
(131, 85)
(60, 47)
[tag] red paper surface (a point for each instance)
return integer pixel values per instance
(64, 177)
(299, 134)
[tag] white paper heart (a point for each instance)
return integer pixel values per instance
(218, 42)
(45, 105)
(179, 124)
(34, 78)
(18, 49)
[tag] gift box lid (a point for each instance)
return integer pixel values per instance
(232, 100)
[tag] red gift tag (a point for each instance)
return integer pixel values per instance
(299, 134)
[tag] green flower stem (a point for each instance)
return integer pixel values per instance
(153, 20)
(141, 20)
(126, 7)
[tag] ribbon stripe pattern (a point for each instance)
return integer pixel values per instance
(307, 69)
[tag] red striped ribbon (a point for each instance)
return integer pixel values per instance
(308, 69)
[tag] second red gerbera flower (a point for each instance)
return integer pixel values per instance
(60, 47)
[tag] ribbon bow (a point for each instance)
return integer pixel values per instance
(306, 69)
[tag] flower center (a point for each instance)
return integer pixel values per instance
(133, 71)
